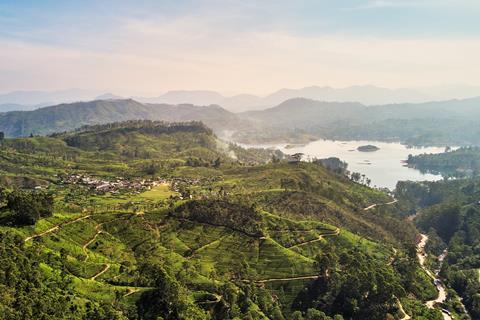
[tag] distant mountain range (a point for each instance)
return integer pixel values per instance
(452, 122)
(301, 112)
(368, 95)
(65, 117)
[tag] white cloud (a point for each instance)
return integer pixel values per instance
(192, 53)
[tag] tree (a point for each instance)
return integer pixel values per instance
(168, 300)
(355, 177)
(27, 207)
(288, 183)
(297, 157)
(275, 159)
(277, 314)
(297, 315)
(217, 163)
(314, 314)
(326, 261)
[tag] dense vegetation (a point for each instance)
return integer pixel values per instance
(235, 216)
(149, 220)
(462, 162)
(26, 207)
(450, 213)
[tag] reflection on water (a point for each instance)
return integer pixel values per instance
(384, 167)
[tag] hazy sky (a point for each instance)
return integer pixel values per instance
(148, 47)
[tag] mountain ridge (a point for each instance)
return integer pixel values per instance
(366, 94)
(450, 122)
(68, 116)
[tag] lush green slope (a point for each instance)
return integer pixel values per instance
(216, 238)
(114, 259)
(65, 117)
(132, 148)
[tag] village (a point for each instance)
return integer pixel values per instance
(121, 185)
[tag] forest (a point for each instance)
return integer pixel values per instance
(449, 211)
(457, 163)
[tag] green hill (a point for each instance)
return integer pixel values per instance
(65, 117)
(132, 148)
(144, 219)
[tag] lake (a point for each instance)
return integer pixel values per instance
(384, 167)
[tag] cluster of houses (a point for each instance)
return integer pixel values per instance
(180, 185)
(116, 185)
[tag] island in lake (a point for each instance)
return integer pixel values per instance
(368, 148)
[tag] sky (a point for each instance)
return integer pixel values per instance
(148, 47)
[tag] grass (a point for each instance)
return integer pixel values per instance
(94, 289)
(160, 192)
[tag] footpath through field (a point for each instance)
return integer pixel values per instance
(56, 228)
(336, 232)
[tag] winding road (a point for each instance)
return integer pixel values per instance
(218, 298)
(98, 229)
(405, 315)
(56, 228)
(107, 266)
(314, 277)
(85, 246)
(131, 291)
(442, 292)
(379, 204)
(336, 232)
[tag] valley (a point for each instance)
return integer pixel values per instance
(150, 218)
(239, 160)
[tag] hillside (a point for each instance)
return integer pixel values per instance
(449, 213)
(462, 162)
(452, 122)
(65, 117)
(305, 112)
(131, 148)
(296, 120)
(128, 225)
